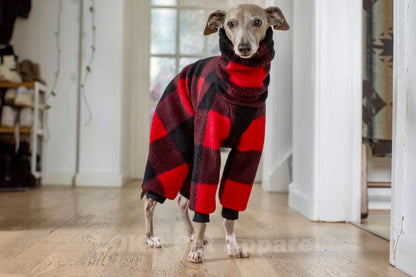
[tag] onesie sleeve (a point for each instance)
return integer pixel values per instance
(210, 129)
(241, 167)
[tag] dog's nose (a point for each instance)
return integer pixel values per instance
(244, 48)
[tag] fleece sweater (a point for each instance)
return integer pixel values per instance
(213, 103)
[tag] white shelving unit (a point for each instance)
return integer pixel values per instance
(36, 131)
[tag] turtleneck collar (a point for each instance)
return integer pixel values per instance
(262, 57)
(245, 81)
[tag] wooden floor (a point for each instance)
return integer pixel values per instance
(378, 221)
(55, 231)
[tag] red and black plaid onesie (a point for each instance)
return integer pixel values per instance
(215, 102)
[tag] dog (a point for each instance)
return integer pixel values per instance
(213, 103)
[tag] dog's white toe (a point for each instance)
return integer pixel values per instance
(195, 255)
(153, 242)
(238, 253)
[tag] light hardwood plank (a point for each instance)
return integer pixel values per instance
(56, 231)
(378, 221)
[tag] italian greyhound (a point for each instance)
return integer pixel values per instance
(245, 26)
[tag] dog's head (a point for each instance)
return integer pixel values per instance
(245, 26)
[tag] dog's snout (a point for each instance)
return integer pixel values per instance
(244, 48)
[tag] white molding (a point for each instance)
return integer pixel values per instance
(302, 203)
(86, 179)
(126, 177)
(338, 110)
(279, 178)
(406, 257)
(57, 179)
(353, 191)
(140, 121)
(99, 180)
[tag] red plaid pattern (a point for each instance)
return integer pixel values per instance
(215, 102)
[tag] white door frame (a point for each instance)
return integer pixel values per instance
(140, 121)
(402, 246)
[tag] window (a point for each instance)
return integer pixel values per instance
(177, 39)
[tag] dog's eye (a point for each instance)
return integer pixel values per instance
(257, 22)
(230, 24)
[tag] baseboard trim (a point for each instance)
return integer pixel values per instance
(278, 179)
(57, 179)
(406, 255)
(301, 203)
(126, 177)
(99, 180)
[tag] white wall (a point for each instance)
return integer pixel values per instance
(104, 142)
(34, 39)
(326, 109)
(303, 27)
(101, 138)
(278, 142)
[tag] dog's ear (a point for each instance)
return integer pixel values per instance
(276, 19)
(215, 22)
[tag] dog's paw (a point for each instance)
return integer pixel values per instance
(192, 237)
(153, 242)
(238, 253)
(195, 255)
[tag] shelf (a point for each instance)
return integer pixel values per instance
(39, 91)
(5, 84)
(10, 130)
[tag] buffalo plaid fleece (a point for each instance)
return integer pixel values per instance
(215, 102)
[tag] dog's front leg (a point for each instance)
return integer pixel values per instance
(149, 207)
(233, 249)
(197, 246)
(183, 206)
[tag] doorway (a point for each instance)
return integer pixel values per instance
(377, 116)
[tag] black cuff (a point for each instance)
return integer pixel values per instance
(198, 217)
(155, 196)
(229, 213)
(184, 193)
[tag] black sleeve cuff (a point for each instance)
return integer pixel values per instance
(155, 196)
(229, 213)
(198, 217)
(184, 193)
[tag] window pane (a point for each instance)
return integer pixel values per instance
(162, 71)
(213, 48)
(192, 3)
(164, 2)
(183, 62)
(163, 31)
(191, 29)
(255, 2)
